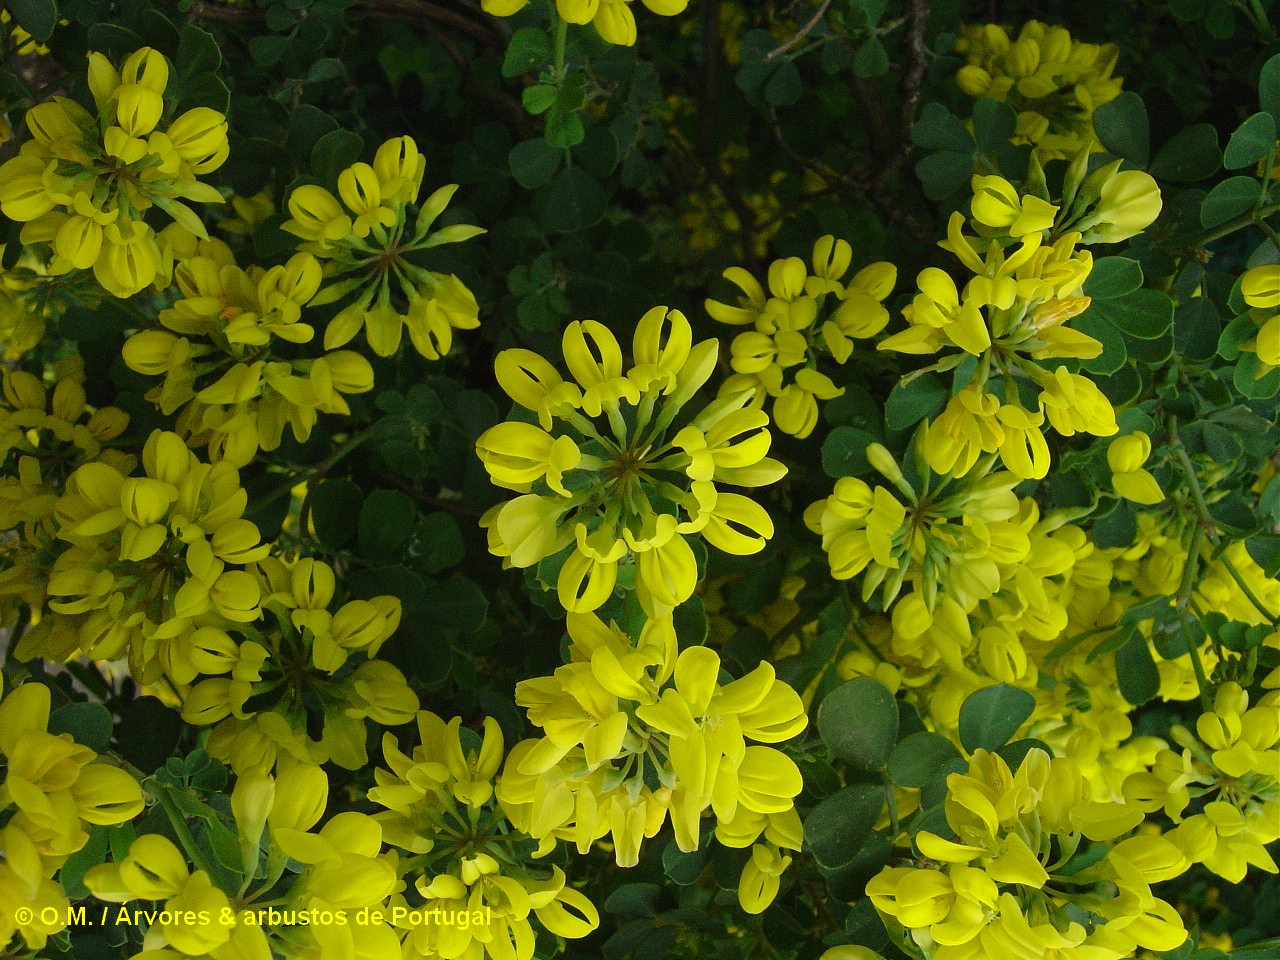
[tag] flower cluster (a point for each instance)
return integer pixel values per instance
(1026, 272)
(462, 852)
(149, 558)
(634, 734)
(1231, 764)
(1052, 80)
(219, 354)
(950, 537)
(612, 19)
(300, 683)
(369, 247)
(1019, 871)
(338, 868)
(617, 469)
(43, 439)
(778, 357)
(83, 184)
(51, 790)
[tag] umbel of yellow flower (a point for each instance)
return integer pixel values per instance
(1051, 80)
(1232, 758)
(368, 241)
(83, 184)
(946, 536)
(464, 853)
(1026, 271)
(299, 684)
(150, 557)
(50, 792)
(786, 334)
(617, 470)
(612, 19)
(1001, 882)
(221, 357)
(634, 733)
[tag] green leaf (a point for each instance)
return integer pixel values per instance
(844, 452)
(458, 605)
(439, 543)
(147, 733)
(634, 900)
(198, 52)
(838, 827)
(528, 49)
(1113, 277)
(939, 129)
(684, 868)
(573, 201)
(533, 163)
(268, 49)
(538, 98)
(307, 124)
(847, 882)
(990, 716)
(385, 524)
(37, 17)
(204, 90)
(1192, 154)
(333, 503)
(858, 722)
(871, 60)
(1229, 199)
(334, 152)
(1269, 88)
(72, 872)
(88, 723)
(1253, 140)
(1136, 671)
(1137, 317)
(1123, 128)
(918, 758)
(944, 173)
(911, 402)
(784, 88)
(994, 123)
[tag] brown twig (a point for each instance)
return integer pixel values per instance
(708, 120)
(412, 12)
(871, 190)
(917, 13)
(800, 34)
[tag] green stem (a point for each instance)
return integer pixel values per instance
(1252, 218)
(193, 850)
(320, 469)
(1184, 620)
(1270, 231)
(1248, 593)
(558, 42)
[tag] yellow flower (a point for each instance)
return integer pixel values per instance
(952, 542)
(785, 324)
(111, 170)
(626, 714)
(435, 800)
(1125, 457)
(1053, 81)
(617, 471)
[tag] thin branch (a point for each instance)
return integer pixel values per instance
(800, 34)
(917, 13)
